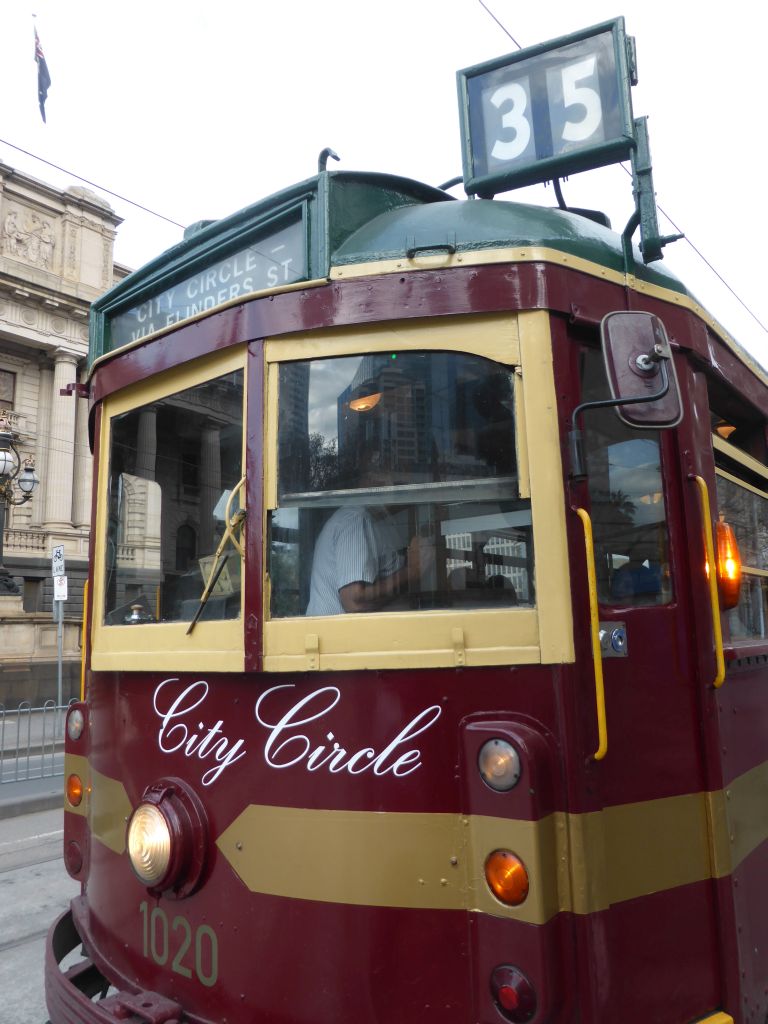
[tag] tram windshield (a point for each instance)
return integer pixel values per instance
(174, 465)
(398, 486)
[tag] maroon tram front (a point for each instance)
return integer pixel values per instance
(426, 621)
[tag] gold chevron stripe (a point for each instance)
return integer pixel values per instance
(105, 803)
(580, 863)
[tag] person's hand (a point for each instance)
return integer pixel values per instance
(421, 557)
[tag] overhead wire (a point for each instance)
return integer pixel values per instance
(169, 220)
(101, 188)
(661, 210)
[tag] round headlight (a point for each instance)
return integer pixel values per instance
(75, 724)
(499, 765)
(149, 844)
(167, 839)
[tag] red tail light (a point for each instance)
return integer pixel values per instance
(514, 995)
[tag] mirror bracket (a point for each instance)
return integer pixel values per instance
(636, 351)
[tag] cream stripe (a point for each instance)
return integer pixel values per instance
(582, 863)
(528, 254)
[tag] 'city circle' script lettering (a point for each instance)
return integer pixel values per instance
(175, 735)
(289, 743)
(287, 746)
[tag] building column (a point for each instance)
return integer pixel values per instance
(44, 401)
(210, 485)
(81, 503)
(146, 443)
(61, 445)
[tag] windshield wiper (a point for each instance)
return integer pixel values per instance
(233, 522)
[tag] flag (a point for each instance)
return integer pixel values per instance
(43, 77)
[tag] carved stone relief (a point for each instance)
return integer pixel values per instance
(29, 236)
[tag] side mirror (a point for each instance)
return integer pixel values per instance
(640, 370)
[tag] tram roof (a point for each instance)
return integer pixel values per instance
(341, 218)
(477, 224)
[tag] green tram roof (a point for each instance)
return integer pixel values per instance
(341, 218)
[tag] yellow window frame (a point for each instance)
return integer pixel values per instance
(432, 639)
(161, 646)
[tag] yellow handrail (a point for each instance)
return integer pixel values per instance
(714, 599)
(594, 620)
(84, 641)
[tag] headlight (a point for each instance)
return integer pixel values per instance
(499, 765)
(75, 724)
(167, 839)
(149, 844)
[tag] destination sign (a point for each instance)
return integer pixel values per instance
(547, 111)
(275, 259)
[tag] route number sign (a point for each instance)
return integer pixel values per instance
(547, 111)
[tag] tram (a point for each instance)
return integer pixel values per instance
(426, 646)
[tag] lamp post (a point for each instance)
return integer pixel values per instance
(17, 485)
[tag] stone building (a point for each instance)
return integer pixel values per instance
(56, 256)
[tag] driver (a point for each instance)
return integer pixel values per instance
(359, 563)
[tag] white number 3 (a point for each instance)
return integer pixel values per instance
(513, 118)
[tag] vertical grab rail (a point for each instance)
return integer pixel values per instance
(594, 621)
(714, 599)
(84, 641)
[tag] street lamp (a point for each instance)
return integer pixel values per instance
(12, 476)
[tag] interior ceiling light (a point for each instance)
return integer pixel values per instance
(365, 403)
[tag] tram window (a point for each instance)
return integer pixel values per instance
(163, 531)
(745, 508)
(627, 502)
(397, 487)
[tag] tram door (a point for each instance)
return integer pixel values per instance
(651, 929)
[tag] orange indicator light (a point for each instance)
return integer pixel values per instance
(507, 877)
(728, 565)
(74, 790)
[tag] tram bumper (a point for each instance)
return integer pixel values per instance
(69, 993)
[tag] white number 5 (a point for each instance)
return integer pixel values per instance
(583, 95)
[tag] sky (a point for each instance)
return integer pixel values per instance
(196, 110)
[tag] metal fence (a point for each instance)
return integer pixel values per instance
(31, 741)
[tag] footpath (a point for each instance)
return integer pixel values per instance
(31, 761)
(31, 795)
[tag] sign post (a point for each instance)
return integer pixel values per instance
(59, 597)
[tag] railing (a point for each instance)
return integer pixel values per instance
(31, 741)
(25, 540)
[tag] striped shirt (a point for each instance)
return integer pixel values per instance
(354, 546)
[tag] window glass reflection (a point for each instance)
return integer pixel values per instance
(746, 510)
(627, 501)
(173, 466)
(397, 486)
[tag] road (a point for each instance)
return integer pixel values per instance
(34, 889)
